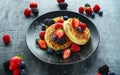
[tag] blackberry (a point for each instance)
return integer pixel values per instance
(43, 27)
(6, 67)
(48, 22)
(63, 5)
(35, 11)
(104, 70)
(61, 41)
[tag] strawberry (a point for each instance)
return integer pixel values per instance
(42, 34)
(60, 21)
(59, 33)
(6, 38)
(42, 44)
(27, 12)
(75, 47)
(75, 23)
(14, 63)
(98, 74)
(59, 1)
(66, 53)
(83, 26)
(81, 10)
(33, 5)
(96, 8)
(58, 26)
(88, 10)
(16, 72)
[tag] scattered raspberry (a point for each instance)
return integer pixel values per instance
(81, 10)
(88, 10)
(59, 1)
(33, 5)
(27, 12)
(96, 8)
(6, 38)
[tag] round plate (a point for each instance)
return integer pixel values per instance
(86, 50)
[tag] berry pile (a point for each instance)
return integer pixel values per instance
(33, 10)
(59, 36)
(15, 66)
(90, 11)
(62, 4)
(104, 70)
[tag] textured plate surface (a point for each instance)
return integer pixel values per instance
(86, 50)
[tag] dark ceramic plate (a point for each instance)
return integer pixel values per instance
(86, 50)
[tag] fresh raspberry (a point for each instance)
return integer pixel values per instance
(75, 47)
(81, 10)
(59, 1)
(83, 26)
(88, 10)
(96, 8)
(60, 21)
(27, 12)
(58, 26)
(33, 5)
(6, 38)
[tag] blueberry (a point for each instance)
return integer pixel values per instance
(65, 17)
(43, 27)
(61, 41)
(49, 50)
(63, 5)
(92, 15)
(58, 52)
(100, 13)
(23, 72)
(6, 67)
(48, 22)
(35, 11)
(22, 65)
(54, 38)
(79, 29)
(87, 5)
(112, 73)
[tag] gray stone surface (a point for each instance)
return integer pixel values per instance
(13, 22)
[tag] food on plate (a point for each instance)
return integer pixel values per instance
(63, 36)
